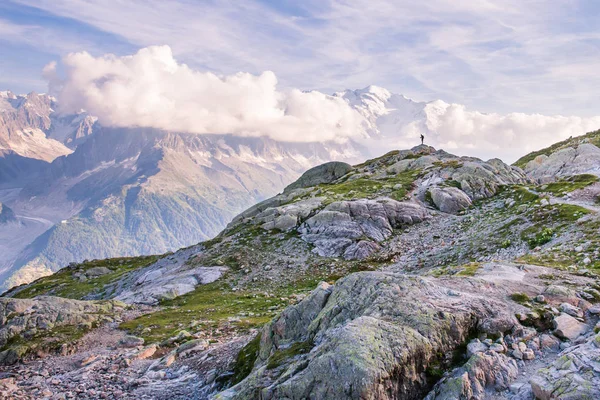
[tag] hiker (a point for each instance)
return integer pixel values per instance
(422, 138)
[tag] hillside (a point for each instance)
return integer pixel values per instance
(418, 250)
(114, 192)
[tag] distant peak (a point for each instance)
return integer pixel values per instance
(7, 94)
(376, 90)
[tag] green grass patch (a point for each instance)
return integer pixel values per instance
(245, 360)
(536, 236)
(365, 188)
(65, 283)
(279, 357)
(571, 184)
(213, 307)
(378, 160)
(469, 269)
(520, 298)
(455, 164)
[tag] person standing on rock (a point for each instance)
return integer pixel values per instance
(422, 139)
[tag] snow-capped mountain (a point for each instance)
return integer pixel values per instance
(107, 192)
(393, 120)
(80, 190)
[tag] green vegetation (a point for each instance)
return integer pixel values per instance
(448, 164)
(45, 340)
(280, 356)
(377, 160)
(213, 308)
(521, 194)
(549, 221)
(520, 298)
(245, 360)
(454, 183)
(469, 269)
(537, 236)
(73, 283)
(366, 188)
(561, 187)
(591, 137)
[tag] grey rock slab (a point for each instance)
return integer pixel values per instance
(574, 375)
(450, 199)
(567, 327)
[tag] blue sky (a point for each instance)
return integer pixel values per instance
(534, 56)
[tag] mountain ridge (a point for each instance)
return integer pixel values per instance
(481, 275)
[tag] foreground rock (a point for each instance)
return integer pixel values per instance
(450, 199)
(482, 372)
(574, 375)
(32, 318)
(372, 336)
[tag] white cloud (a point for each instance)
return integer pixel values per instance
(510, 136)
(507, 136)
(151, 89)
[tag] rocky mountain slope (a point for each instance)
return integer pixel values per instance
(436, 276)
(80, 190)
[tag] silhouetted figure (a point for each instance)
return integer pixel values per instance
(422, 138)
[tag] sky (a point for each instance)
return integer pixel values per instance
(509, 56)
(533, 56)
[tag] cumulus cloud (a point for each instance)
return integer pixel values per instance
(151, 89)
(508, 136)
(456, 129)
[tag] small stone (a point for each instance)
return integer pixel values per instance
(475, 347)
(498, 348)
(517, 354)
(515, 387)
(587, 261)
(147, 352)
(522, 347)
(594, 309)
(540, 298)
(528, 354)
(88, 360)
(131, 341)
(549, 342)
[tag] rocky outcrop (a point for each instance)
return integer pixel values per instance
(574, 375)
(489, 370)
(567, 327)
(450, 199)
(372, 336)
(167, 278)
(581, 159)
(22, 318)
(353, 229)
(325, 173)
(6, 214)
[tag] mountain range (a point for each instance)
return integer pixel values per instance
(418, 274)
(80, 190)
